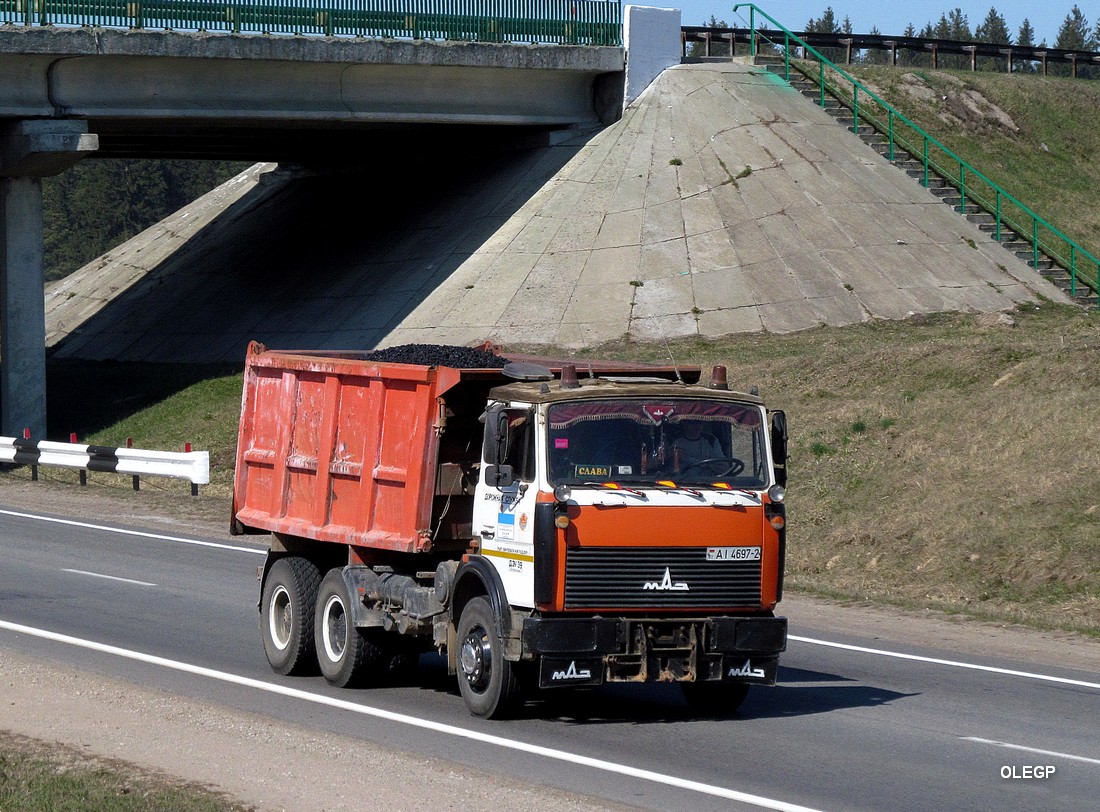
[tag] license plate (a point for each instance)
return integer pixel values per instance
(733, 553)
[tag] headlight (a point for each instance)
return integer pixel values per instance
(777, 493)
(562, 493)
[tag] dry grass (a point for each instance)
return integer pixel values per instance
(942, 462)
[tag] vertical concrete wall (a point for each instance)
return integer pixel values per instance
(23, 326)
(652, 40)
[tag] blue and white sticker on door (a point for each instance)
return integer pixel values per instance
(506, 526)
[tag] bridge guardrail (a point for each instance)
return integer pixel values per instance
(562, 22)
(1008, 212)
(193, 466)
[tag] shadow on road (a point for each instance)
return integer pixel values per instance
(799, 693)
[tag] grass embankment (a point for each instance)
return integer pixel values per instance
(942, 462)
(1034, 136)
(38, 778)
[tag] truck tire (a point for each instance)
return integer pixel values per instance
(715, 698)
(286, 615)
(348, 659)
(486, 680)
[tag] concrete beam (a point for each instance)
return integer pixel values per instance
(39, 148)
(156, 76)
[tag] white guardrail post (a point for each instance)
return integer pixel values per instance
(190, 465)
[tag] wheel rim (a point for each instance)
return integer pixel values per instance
(334, 628)
(280, 618)
(476, 658)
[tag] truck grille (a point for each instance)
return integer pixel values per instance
(648, 577)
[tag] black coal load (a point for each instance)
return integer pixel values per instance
(442, 355)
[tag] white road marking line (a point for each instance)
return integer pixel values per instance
(109, 577)
(1053, 753)
(953, 663)
(142, 534)
(438, 727)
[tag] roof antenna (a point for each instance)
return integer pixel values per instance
(673, 360)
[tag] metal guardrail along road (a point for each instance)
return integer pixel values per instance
(564, 22)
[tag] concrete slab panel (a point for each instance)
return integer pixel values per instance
(663, 260)
(710, 251)
(732, 320)
(591, 303)
(789, 317)
(620, 229)
(840, 310)
(701, 214)
(722, 290)
(662, 297)
(814, 275)
(771, 282)
(890, 304)
(659, 327)
(612, 266)
(663, 221)
(752, 244)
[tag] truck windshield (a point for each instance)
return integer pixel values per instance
(638, 442)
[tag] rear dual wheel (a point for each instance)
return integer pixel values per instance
(346, 654)
(286, 615)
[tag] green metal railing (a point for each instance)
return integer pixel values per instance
(1011, 217)
(564, 22)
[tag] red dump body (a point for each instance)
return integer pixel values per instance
(339, 449)
(336, 448)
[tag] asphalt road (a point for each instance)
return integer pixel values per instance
(852, 725)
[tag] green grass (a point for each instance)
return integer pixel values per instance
(1034, 136)
(39, 778)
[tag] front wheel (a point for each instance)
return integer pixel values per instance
(486, 680)
(286, 615)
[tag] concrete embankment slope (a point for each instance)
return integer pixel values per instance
(722, 202)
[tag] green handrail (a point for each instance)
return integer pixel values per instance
(563, 22)
(1058, 244)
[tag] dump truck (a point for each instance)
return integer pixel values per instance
(537, 526)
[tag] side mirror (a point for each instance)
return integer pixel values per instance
(499, 476)
(495, 449)
(779, 446)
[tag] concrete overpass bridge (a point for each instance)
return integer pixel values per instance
(96, 91)
(722, 201)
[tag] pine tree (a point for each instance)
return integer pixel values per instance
(1074, 35)
(992, 29)
(1025, 39)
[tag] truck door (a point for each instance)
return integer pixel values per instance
(504, 502)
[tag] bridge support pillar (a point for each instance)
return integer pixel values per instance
(29, 151)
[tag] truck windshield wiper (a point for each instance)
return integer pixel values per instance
(615, 486)
(669, 485)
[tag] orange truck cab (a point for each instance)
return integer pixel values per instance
(536, 528)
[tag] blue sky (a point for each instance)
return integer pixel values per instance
(892, 18)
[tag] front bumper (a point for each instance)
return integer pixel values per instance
(592, 651)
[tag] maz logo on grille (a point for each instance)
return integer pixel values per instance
(666, 584)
